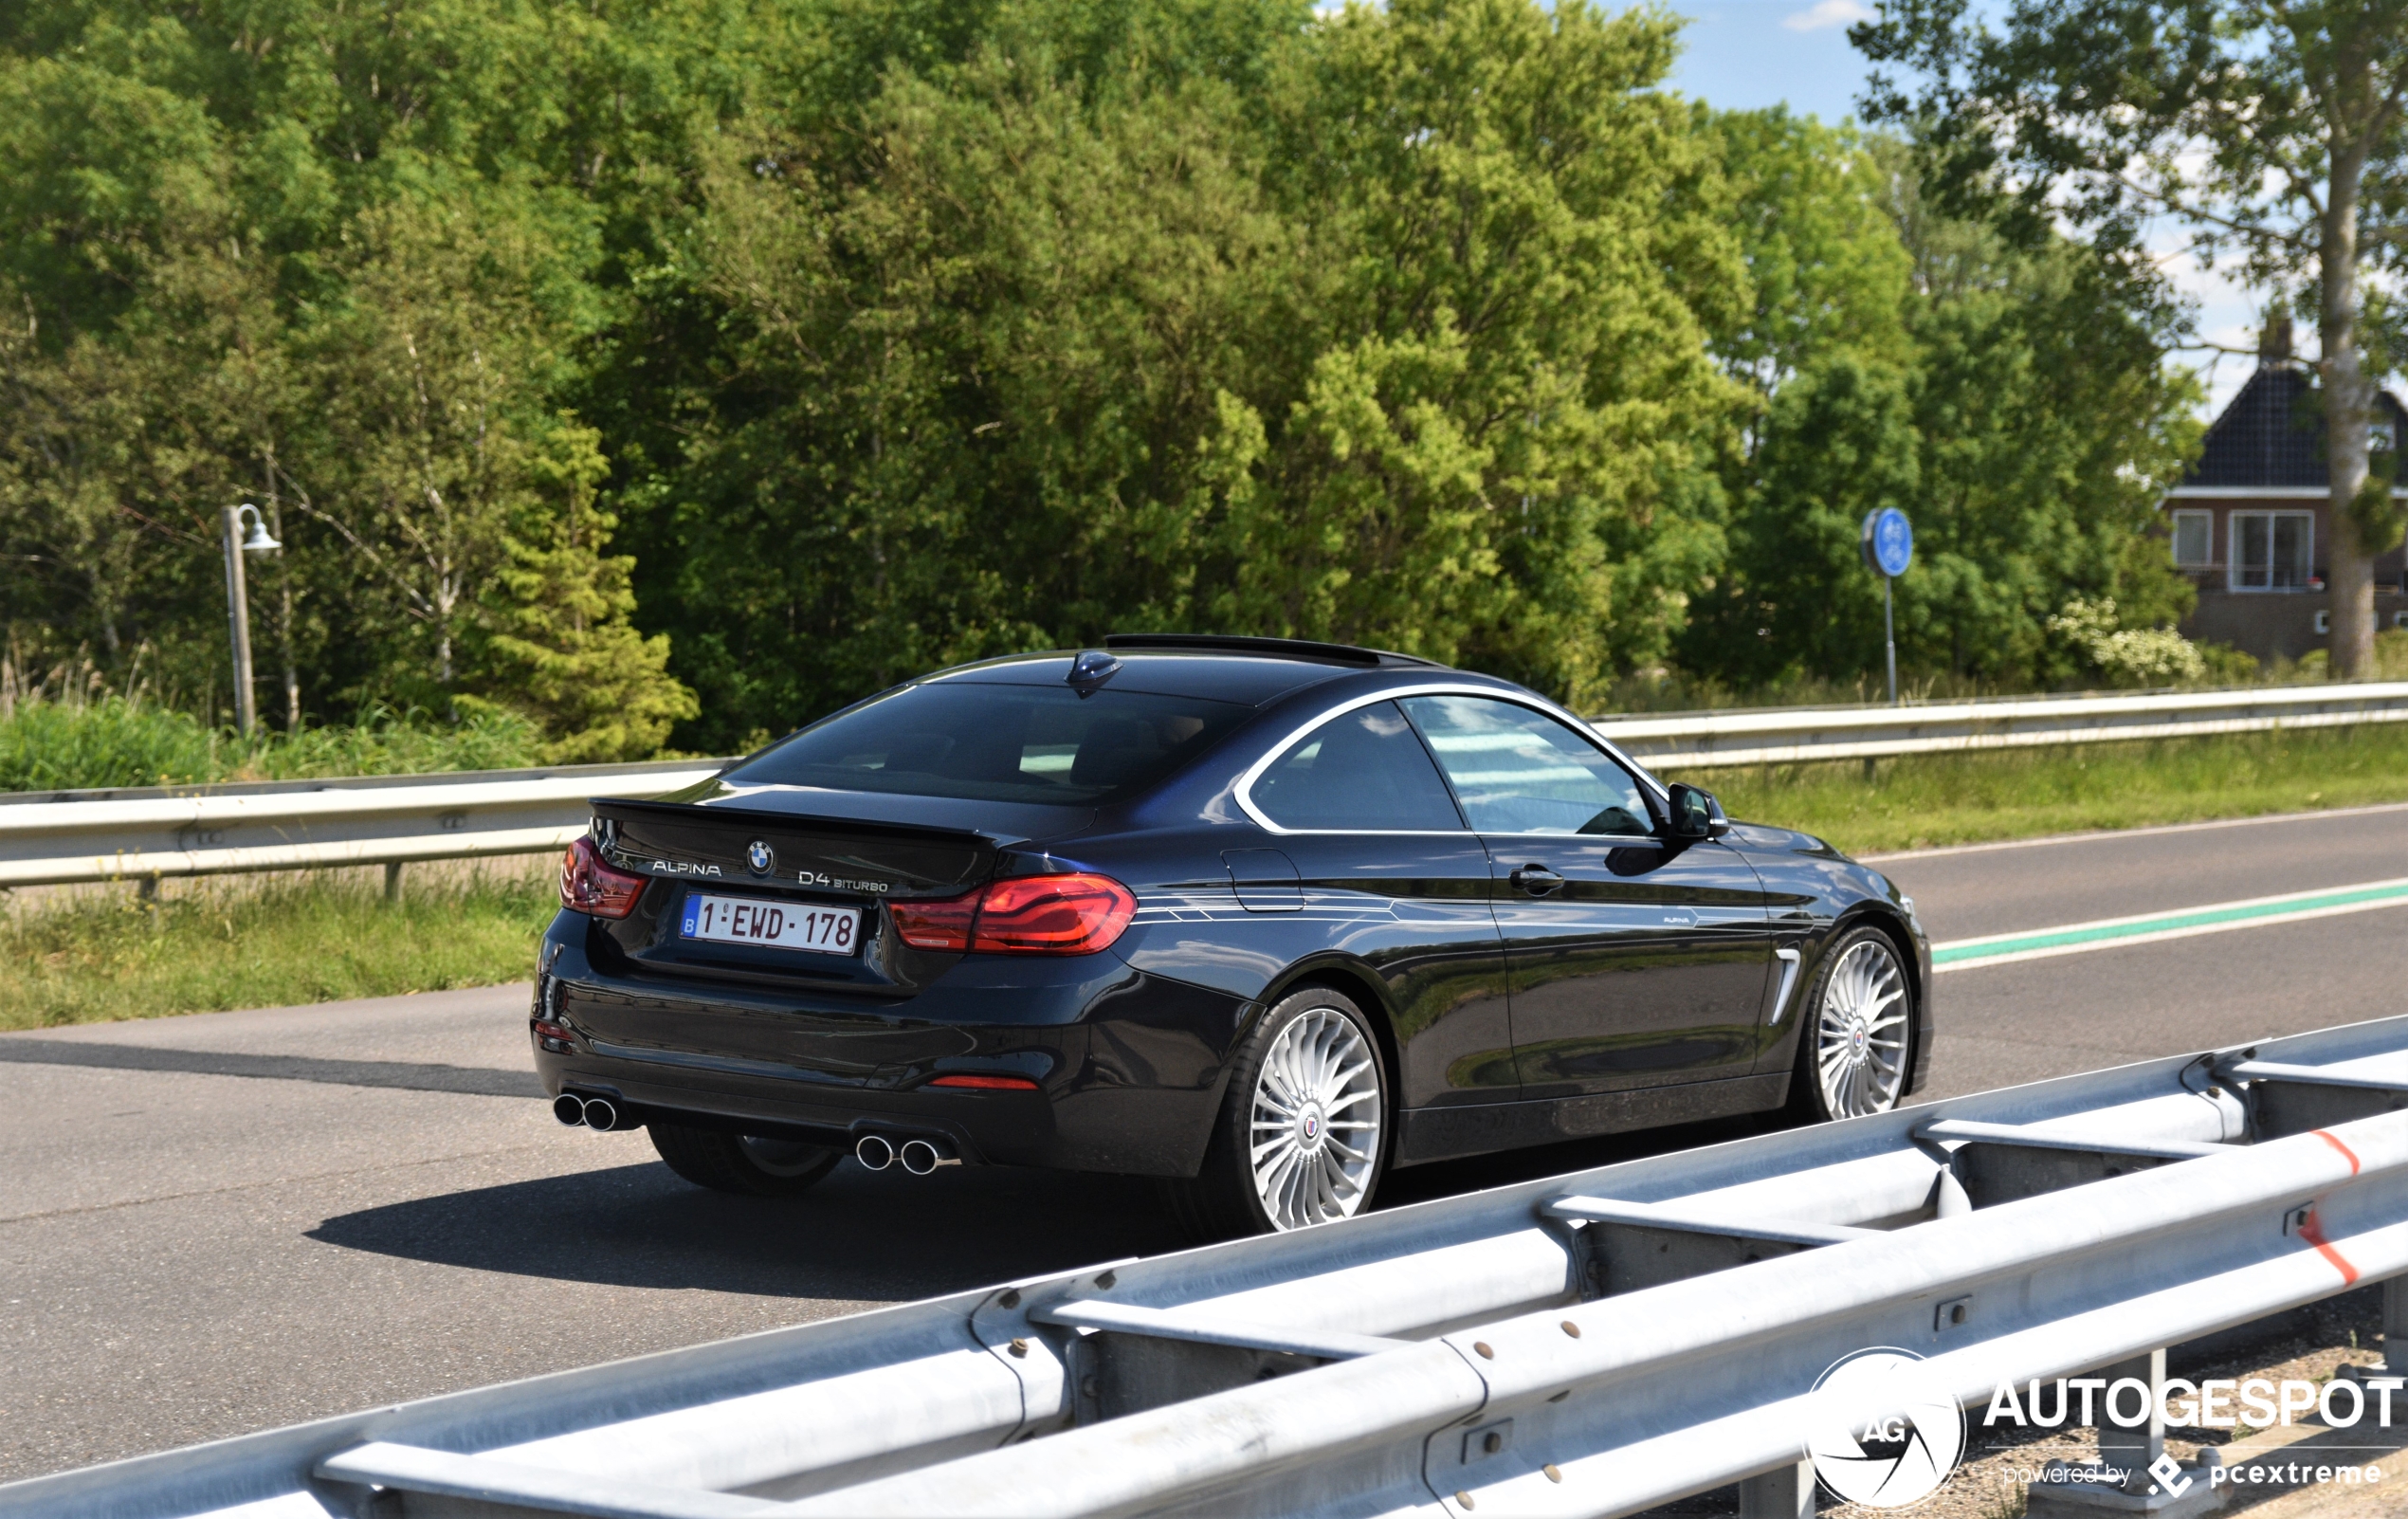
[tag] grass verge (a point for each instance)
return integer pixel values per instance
(273, 944)
(1926, 801)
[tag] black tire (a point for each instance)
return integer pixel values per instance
(746, 1165)
(1330, 1176)
(1862, 962)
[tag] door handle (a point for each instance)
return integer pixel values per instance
(1537, 880)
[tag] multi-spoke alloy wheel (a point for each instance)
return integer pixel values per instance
(1315, 1121)
(1861, 1024)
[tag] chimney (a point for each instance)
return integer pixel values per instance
(2274, 343)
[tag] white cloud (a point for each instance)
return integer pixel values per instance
(1828, 13)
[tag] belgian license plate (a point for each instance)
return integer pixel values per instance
(773, 925)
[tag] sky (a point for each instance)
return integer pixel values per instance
(1747, 54)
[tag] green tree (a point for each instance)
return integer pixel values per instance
(2274, 129)
(2012, 400)
(559, 642)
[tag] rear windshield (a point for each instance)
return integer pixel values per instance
(1016, 743)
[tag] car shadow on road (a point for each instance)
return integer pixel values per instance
(859, 1236)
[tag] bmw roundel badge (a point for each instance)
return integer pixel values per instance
(760, 857)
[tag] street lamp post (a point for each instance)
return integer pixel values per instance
(238, 610)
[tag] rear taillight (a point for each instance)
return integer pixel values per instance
(1052, 915)
(934, 925)
(589, 885)
(1026, 915)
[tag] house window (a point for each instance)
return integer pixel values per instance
(2378, 435)
(2193, 538)
(2273, 551)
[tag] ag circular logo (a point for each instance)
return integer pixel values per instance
(1883, 1430)
(758, 855)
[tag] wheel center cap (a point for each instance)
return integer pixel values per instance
(1308, 1127)
(1856, 1039)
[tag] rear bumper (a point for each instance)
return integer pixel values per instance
(1129, 1066)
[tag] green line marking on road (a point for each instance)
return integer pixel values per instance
(2108, 933)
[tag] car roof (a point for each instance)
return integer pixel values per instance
(1218, 677)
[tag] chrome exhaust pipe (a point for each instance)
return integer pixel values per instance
(922, 1156)
(875, 1151)
(569, 1108)
(601, 1113)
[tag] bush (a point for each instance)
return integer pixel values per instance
(85, 742)
(2125, 656)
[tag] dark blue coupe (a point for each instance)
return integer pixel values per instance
(1261, 918)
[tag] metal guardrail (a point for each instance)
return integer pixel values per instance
(70, 837)
(1594, 1344)
(142, 836)
(1698, 741)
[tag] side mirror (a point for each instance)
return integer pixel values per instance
(1696, 815)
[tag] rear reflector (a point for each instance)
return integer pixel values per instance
(1077, 914)
(589, 885)
(987, 1083)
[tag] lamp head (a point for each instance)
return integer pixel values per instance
(257, 541)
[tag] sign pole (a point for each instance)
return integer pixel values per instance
(1889, 546)
(1889, 635)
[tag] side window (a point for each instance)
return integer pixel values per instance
(1517, 771)
(1362, 769)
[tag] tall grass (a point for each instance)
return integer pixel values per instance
(275, 944)
(64, 733)
(1923, 801)
(1676, 690)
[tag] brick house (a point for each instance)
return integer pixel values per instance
(2250, 524)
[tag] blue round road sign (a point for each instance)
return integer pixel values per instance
(1889, 543)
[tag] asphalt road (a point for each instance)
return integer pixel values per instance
(222, 1222)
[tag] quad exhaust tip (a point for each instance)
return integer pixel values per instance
(569, 1108)
(874, 1151)
(601, 1113)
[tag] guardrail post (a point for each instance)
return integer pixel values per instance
(393, 882)
(2394, 1334)
(2133, 1451)
(2130, 1451)
(1784, 1493)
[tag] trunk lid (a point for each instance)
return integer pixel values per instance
(781, 858)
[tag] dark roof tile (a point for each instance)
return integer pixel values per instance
(2273, 433)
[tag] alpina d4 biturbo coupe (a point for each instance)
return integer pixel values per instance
(1261, 918)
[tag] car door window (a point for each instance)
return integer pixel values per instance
(1519, 771)
(1362, 770)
